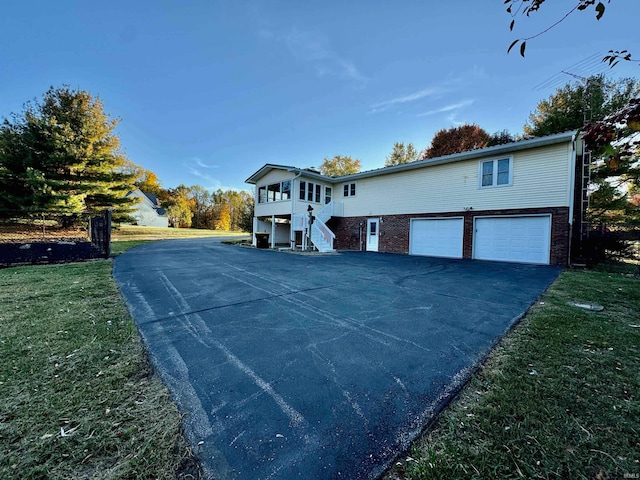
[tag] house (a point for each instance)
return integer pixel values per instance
(148, 211)
(518, 202)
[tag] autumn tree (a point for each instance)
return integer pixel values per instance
(570, 105)
(200, 200)
(339, 166)
(149, 182)
(457, 139)
(401, 154)
(61, 154)
(615, 174)
(180, 212)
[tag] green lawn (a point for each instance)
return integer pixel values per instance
(78, 398)
(559, 398)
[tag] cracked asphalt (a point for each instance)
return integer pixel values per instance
(314, 366)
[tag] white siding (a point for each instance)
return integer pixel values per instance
(282, 207)
(540, 179)
(300, 206)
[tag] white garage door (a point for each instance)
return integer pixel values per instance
(512, 239)
(437, 237)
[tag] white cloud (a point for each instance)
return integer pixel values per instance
(314, 49)
(448, 108)
(412, 97)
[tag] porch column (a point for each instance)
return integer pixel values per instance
(273, 231)
(255, 229)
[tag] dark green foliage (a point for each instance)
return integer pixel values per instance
(565, 109)
(61, 154)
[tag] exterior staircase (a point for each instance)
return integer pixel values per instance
(321, 236)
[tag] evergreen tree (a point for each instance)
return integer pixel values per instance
(572, 103)
(401, 154)
(61, 154)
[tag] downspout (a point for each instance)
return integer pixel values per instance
(573, 165)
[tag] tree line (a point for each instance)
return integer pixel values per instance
(61, 155)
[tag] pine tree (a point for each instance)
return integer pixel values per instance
(61, 154)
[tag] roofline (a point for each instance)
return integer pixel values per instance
(468, 155)
(271, 166)
(456, 157)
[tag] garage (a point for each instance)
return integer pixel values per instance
(436, 237)
(524, 239)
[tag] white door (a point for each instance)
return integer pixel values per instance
(524, 239)
(372, 234)
(436, 237)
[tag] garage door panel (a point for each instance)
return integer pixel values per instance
(513, 239)
(437, 237)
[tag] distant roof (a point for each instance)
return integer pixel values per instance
(151, 197)
(456, 157)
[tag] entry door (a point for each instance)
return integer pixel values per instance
(373, 233)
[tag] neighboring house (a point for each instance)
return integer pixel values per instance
(148, 211)
(518, 202)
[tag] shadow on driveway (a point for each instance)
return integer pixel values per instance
(314, 367)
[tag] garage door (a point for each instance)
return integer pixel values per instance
(437, 237)
(512, 239)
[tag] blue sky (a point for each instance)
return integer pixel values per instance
(209, 91)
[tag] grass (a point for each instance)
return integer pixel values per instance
(78, 398)
(127, 232)
(559, 398)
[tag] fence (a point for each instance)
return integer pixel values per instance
(52, 237)
(602, 242)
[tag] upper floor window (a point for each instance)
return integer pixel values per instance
(327, 195)
(349, 189)
(310, 191)
(494, 173)
(275, 192)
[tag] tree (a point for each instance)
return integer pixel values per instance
(200, 200)
(455, 140)
(401, 154)
(223, 222)
(61, 154)
(528, 7)
(148, 182)
(339, 166)
(615, 174)
(500, 138)
(180, 212)
(565, 109)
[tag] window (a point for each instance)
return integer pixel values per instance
(310, 191)
(275, 192)
(327, 195)
(317, 197)
(303, 190)
(494, 173)
(349, 189)
(286, 190)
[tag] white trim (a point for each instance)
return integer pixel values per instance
(495, 161)
(348, 185)
(549, 243)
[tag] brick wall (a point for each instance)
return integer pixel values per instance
(394, 230)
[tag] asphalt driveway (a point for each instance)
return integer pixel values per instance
(317, 367)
